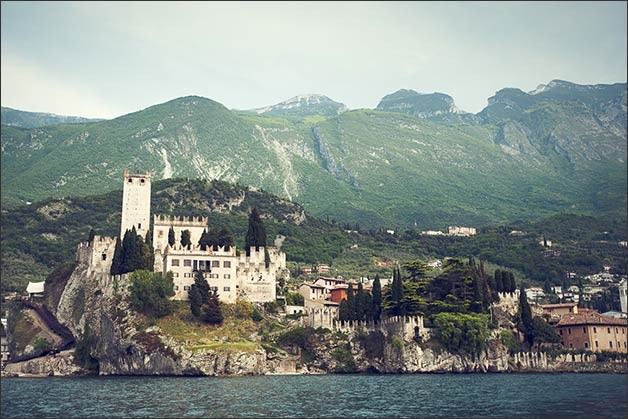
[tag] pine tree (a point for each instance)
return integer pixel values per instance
(116, 262)
(377, 298)
(212, 312)
(171, 237)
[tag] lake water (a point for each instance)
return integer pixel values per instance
(429, 395)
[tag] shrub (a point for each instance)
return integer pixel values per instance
(149, 293)
(373, 344)
(346, 363)
(460, 332)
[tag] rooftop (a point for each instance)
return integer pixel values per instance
(589, 317)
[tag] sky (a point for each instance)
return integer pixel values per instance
(103, 59)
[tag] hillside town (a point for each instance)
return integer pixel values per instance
(254, 275)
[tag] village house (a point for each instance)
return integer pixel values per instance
(590, 330)
(554, 312)
(35, 289)
(461, 231)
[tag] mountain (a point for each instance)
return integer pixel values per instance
(17, 118)
(527, 157)
(434, 106)
(304, 105)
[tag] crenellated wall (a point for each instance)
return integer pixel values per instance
(98, 254)
(162, 224)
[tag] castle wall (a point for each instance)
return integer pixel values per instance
(136, 203)
(257, 283)
(162, 224)
(98, 254)
(219, 269)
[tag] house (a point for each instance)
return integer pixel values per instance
(593, 331)
(433, 233)
(534, 293)
(339, 293)
(35, 289)
(311, 291)
(554, 312)
(461, 231)
(293, 310)
(323, 269)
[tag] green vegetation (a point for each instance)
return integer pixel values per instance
(134, 254)
(461, 332)
(204, 303)
(149, 292)
(346, 362)
(82, 352)
(373, 343)
(527, 161)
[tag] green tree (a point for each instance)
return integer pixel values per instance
(417, 269)
(461, 332)
(543, 332)
(397, 293)
(185, 238)
(92, 234)
(256, 233)
(525, 314)
(377, 298)
(212, 313)
(351, 304)
(343, 310)
(225, 237)
(116, 262)
(171, 237)
(150, 292)
(360, 307)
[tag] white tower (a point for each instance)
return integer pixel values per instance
(135, 203)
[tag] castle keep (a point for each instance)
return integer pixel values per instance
(231, 273)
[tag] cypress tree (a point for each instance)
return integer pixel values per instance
(129, 251)
(477, 294)
(256, 234)
(351, 304)
(150, 251)
(499, 282)
(185, 238)
(512, 285)
(377, 298)
(526, 325)
(116, 262)
(343, 310)
(203, 240)
(171, 237)
(225, 237)
(360, 308)
(194, 296)
(92, 234)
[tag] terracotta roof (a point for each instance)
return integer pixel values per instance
(589, 317)
(311, 285)
(561, 305)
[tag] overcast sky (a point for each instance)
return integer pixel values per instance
(108, 59)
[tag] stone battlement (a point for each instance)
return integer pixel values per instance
(195, 249)
(408, 327)
(175, 220)
(128, 174)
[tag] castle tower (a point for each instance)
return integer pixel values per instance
(135, 203)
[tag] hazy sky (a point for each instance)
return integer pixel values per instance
(108, 59)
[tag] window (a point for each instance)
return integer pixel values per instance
(586, 344)
(569, 330)
(139, 226)
(226, 289)
(227, 276)
(213, 288)
(226, 264)
(561, 332)
(187, 275)
(130, 180)
(176, 288)
(611, 344)
(141, 180)
(160, 233)
(616, 330)
(608, 330)
(187, 262)
(175, 262)
(618, 344)
(104, 256)
(215, 276)
(186, 287)
(215, 264)
(595, 330)
(597, 345)
(175, 274)
(571, 345)
(584, 330)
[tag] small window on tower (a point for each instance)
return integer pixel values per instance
(104, 256)
(139, 226)
(130, 180)
(141, 180)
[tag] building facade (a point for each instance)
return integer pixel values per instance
(593, 331)
(135, 203)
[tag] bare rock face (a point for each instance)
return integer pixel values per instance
(61, 364)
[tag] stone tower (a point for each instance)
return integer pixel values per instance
(135, 203)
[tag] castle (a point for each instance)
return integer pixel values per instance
(231, 273)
